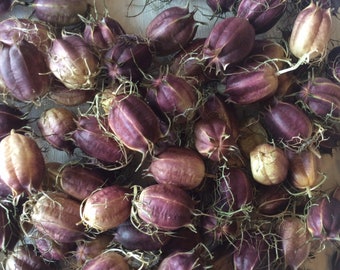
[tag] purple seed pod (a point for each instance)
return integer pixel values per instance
(70, 52)
(171, 30)
(248, 84)
(287, 123)
(128, 58)
(220, 6)
(5, 6)
(92, 140)
(134, 123)
(60, 12)
(10, 118)
(323, 221)
(24, 71)
(107, 260)
(229, 42)
(55, 125)
(102, 34)
(131, 238)
(333, 64)
(322, 97)
(262, 14)
(271, 200)
(175, 96)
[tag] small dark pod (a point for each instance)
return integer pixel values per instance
(10, 118)
(220, 6)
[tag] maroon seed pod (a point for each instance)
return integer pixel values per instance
(171, 30)
(128, 58)
(55, 125)
(333, 64)
(220, 6)
(93, 141)
(187, 63)
(288, 123)
(248, 84)
(229, 42)
(271, 200)
(24, 71)
(174, 96)
(296, 242)
(166, 207)
(107, 260)
(14, 30)
(102, 34)
(323, 221)
(60, 12)
(106, 208)
(322, 97)
(89, 249)
(24, 257)
(235, 190)
(213, 139)
(22, 165)
(57, 216)
(178, 166)
(262, 14)
(10, 118)
(131, 238)
(70, 52)
(134, 123)
(78, 181)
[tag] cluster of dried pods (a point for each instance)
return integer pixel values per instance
(191, 151)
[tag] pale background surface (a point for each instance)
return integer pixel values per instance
(123, 11)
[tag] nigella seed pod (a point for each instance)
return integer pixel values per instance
(174, 96)
(249, 84)
(128, 58)
(287, 123)
(60, 12)
(220, 6)
(10, 118)
(229, 42)
(178, 166)
(72, 61)
(55, 125)
(22, 164)
(102, 34)
(92, 139)
(107, 260)
(311, 32)
(269, 164)
(171, 30)
(134, 123)
(166, 207)
(24, 71)
(272, 200)
(262, 14)
(322, 97)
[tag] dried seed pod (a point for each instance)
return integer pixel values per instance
(262, 14)
(10, 118)
(102, 34)
(269, 164)
(71, 53)
(295, 239)
(171, 30)
(249, 84)
(22, 164)
(178, 166)
(271, 200)
(229, 42)
(107, 260)
(91, 138)
(220, 6)
(55, 125)
(24, 71)
(166, 207)
(128, 58)
(55, 215)
(106, 208)
(134, 123)
(60, 12)
(78, 181)
(311, 32)
(322, 97)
